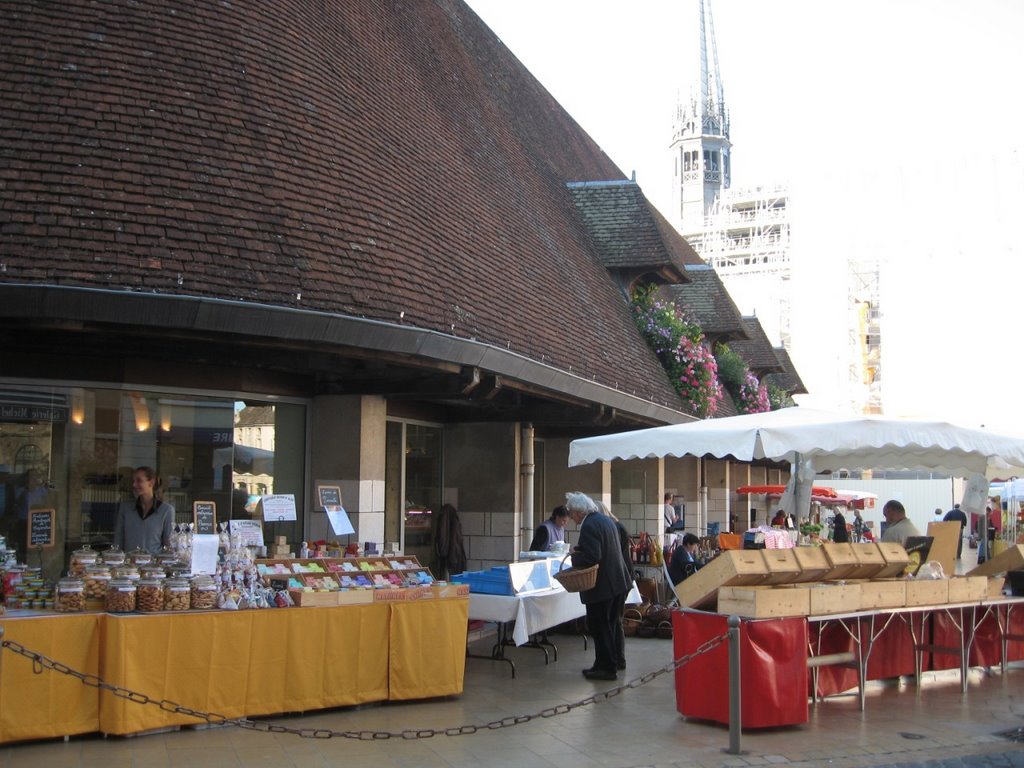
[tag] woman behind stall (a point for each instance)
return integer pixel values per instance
(146, 522)
(684, 560)
(551, 531)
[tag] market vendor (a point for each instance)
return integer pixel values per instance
(898, 526)
(146, 522)
(684, 560)
(551, 531)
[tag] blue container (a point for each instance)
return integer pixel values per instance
(496, 581)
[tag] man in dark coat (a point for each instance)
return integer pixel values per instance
(959, 516)
(599, 544)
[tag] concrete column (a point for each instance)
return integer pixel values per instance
(347, 443)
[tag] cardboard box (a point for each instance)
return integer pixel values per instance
(733, 567)
(895, 557)
(883, 593)
(870, 562)
(813, 564)
(927, 592)
(782, 566)
(969, 589)
(842, 562)
(763, 602)
(401, 594)
(450, 590)
(1012, 559)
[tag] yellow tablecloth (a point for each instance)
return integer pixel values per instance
(233, 663)
(49, 704)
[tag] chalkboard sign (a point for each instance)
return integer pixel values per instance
(330, 496)
(204, 515)
(40, 528)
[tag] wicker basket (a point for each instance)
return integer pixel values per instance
(577, 579)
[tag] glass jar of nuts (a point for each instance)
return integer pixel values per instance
(121, 596)
(125, 571)
(149, 596)
(95, 581)
(203, 592)
(140, 557)
(177, 595)
(69, 596)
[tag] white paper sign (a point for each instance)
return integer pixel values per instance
(204, 553)
(279, 507)
(250, 532)
(340, 523)
(975, 494)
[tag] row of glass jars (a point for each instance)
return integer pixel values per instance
(121, 594)
(82, 559)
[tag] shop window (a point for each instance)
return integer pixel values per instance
(413, 473)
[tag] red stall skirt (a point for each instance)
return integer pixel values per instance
(773, 670)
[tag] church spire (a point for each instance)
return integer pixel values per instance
(700, 136)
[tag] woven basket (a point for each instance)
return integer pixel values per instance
(577, 579)
(631, 621)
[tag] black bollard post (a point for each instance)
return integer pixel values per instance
(735, 710)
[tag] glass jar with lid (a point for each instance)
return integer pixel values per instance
(166, 557)
(121, 596)
(114, 556)
(149, 596)
(203, 592)
(140, 557)
(80, 559)
(125, 571)
(177, 595)
(96, 579)
(69, 596)
(152, 571)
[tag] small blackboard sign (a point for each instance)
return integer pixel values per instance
(40, 528)
(204, 515)
(330, 496)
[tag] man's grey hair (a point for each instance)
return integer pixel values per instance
(579, 502)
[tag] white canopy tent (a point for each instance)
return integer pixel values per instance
(814, 441)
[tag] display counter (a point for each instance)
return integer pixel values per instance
(233, 663)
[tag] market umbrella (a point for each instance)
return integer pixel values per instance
(814, 441)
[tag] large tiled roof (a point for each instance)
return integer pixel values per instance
(628, 231)
(706, 301)
(789, 380)
(352, 157)
(757, 350)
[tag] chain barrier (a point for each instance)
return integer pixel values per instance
(40, 663)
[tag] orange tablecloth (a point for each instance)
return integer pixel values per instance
(233, 663)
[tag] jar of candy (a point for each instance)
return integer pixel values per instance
(69, 596)
(177, 595)
(121, 596)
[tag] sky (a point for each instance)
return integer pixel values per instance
(899, 128)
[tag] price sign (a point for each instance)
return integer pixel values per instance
(330, 496)
(279, 507)
(204, 515)
(41, 528)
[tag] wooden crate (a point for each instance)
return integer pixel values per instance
(782, 566)
(842, 562)
(734, 567)
(995, 587)
(896, 559)
(927, 592)
(444, 591)
(833, 598)
(870, 562)
(813, 564)
(883, 593)
(763, 602)
(969, 589)
(1012, 559)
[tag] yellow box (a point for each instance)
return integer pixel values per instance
(782, 566)
(870, 562)
(842, 562)
(896, 559)
(970, 589)
(813, 564)
(883, 593)
(733, 567)
(763, 602)
(449, 590)
(927, 592)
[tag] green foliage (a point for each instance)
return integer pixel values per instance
(779, 398)
(731, 369)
